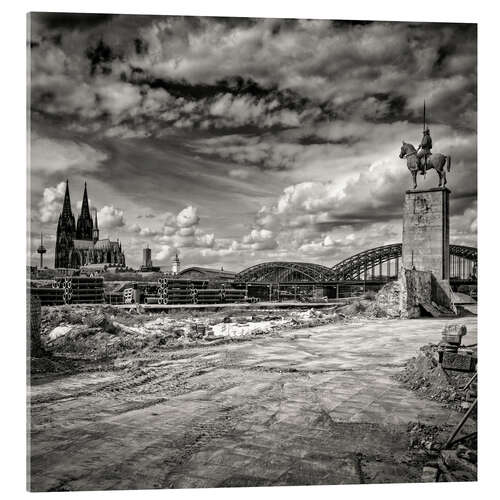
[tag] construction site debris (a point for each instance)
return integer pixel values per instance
(387, 301)
(465, 362)
(58, 332)
(453, 333)
(422, 436)
(105, 332)
(429, 474)
(426, 376)
(459, 464)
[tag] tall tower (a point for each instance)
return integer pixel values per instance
(41, 250)
(176, 264)
(95, 230)
(146, 257)
(65, 232)
(84, 225)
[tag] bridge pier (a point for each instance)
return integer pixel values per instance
(426, 253)
(426, 233)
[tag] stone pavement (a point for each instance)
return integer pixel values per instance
(312, 406)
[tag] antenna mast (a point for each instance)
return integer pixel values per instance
(424, 114)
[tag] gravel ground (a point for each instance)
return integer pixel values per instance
(315, 405)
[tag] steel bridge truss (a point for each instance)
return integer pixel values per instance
(362, 266)
(277, 272)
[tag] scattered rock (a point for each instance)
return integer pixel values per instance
(429, 474)
(460, 468)
(59, 331)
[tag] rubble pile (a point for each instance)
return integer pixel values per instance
(424, 437)
(355, 309)
(383, 304)
(106, 332)
(424, 375)
(386, 303)
(458, 464)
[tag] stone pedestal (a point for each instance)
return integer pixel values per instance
(426, 231)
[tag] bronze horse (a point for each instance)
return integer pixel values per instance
(436, 161)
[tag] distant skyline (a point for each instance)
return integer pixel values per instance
(237, 141)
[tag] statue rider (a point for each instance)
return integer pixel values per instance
(424, 150)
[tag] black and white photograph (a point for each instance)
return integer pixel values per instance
(252, 251)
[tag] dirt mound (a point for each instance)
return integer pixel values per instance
(50, 364)
(355, 309)
(424, 375)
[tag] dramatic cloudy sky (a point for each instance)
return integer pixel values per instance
(236, 141)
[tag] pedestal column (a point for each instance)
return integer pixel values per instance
(426, 231)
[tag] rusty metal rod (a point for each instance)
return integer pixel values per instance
(460, 425)
(469, 382)
(463, 438)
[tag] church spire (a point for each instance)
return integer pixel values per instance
(95, 230)
(66, 211)
(95, 219)
(65, 233)
(84, 224)
(85, 212)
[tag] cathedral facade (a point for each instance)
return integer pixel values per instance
(79, 244)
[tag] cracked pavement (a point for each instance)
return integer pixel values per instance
(310, 406)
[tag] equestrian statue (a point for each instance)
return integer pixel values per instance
(421, 159)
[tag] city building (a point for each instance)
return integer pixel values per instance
(176, 265)
(147, 262)
(206, 273)
(79, 245)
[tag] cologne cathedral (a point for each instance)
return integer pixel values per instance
(80, 245)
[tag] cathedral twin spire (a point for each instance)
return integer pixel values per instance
(84, 226)
(69, 255)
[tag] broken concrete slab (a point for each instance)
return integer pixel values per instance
(429, 474)
(420, 292)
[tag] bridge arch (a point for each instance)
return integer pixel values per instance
(275, 272)
(363, 265)
(463, 262)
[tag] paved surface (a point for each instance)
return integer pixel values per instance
(315, 406)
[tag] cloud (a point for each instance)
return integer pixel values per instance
(260, 239)
(299, 122)
(110, 217)
(463, 228)
(184, 74)
(178, 230)
(240, 173)
(50, 206)
(165, 254)
(67, 21)
(55, 156)
(144, 231)
(188, 217)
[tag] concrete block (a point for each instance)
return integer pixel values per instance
(429, 474)
(426, 231)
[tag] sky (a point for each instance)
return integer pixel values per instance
(235, 141)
